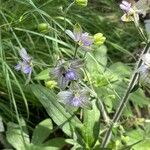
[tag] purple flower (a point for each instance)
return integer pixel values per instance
(79, 98)
(25, 64)
(83, 39)
(125, 6)
(65, 72)
(131, 12)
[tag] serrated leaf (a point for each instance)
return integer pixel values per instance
(42, 131)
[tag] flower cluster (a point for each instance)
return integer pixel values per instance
(68, 74)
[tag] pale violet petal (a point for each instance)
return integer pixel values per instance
(23, 54)
(126, 3)
(18, 66)
(146, 59)
(70, 34)
(26, 68)
(65, 97)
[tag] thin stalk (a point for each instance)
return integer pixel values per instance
(65, 13)
(76, 49)
(140, 31)
(124, 100)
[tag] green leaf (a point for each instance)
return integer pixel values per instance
(44, 75)
(91, 125)
(17, 138)
(56, 143)
(139, 135)
(66, 120)
(139, 98)
(40, 147)
(42, 131)
(97, 61)
(120, 69)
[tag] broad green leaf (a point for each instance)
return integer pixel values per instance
(66, 120)
(17, 138)
(91, 125)
(120, 69)
(40, 147)
(97, 61)
(139, 98)
(55, 143)
(44, 75)
(139, 135)
(42, 131)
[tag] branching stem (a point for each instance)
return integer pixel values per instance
(124, 100)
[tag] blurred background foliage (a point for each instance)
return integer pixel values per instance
(38, 26)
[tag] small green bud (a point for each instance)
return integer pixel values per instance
(43, 27)
(50, 84)
(125, 139)
(82, 3)
(99, 39)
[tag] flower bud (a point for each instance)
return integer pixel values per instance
(82, 3)
(99, 39)
(43, 27)
(125, 139)
(50, 84)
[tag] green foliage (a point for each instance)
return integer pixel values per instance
(38, 26)
(20, 140)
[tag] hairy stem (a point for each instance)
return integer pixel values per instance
(124, 100)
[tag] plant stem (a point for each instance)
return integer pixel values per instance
(124, 100)
(76, 49)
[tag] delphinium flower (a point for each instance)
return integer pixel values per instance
(26, 64)
(144, 70)
(131, 12)
(75, 98)
(83, 39)
(65, 72)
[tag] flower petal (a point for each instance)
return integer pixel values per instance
(78, 63)
(146, 59)
(65, 96)
(26, 68)
(77, 31)
(70, 34)
(62, 82)
(86, 40)
(18, 66)
(23, 54)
